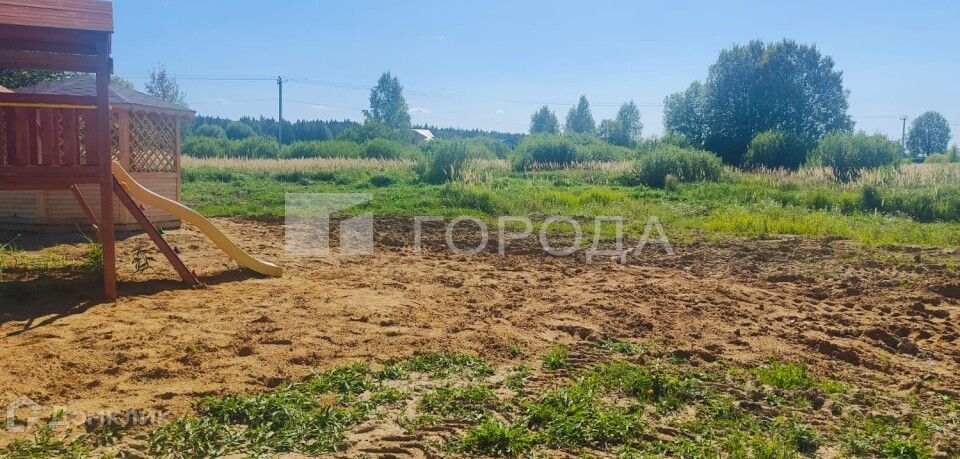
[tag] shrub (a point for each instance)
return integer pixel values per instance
(444, 161)
(386, 149)
(322, 149)
(645, 146)
(870, 199)
(254, 147)
(381, 180)
(239, 131)
(775, 150)
(211, 130)
(544, 149)
(602, 151)
(521, 160)
(205, 147)
(487, 147)
(674, 163)
(848, 153)
(373, 130)
(937, 158)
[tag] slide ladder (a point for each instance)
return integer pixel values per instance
(126, 189)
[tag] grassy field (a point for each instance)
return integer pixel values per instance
(915, 204)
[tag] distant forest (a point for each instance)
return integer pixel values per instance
(304, 130)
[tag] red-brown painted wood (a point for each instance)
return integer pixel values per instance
(56, 99)
(71, 140)
(86, 210)
(23, 146)
(49, 139)
(102, 151)
(91, 137)
(58, 14)
(151, 231)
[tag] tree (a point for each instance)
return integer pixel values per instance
(781, 86)
(579, 119)
(18, 78)
(239, 131)
(544, 121)
(162, 86)
(210, 130)
(122, 82)
(847, 153)
(387, 105)
(625, 129)
(929, 133)
(683, 113)
(774, 150)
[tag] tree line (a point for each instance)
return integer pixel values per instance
(784, 90)
(761, 104)
(624, 129)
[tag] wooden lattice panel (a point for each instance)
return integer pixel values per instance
(82, 136)
(115, 136)
(3, 137)
(153, 142)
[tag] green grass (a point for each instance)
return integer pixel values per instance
(517, 378)
(619, 406)
(311, 417)
(46, 444)
(438, 365)
(740, 204)
(626, 347)
(496, 438)
(467, 403)
(794, 376)
(556, 358)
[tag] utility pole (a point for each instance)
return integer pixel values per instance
(903, 136)
(280, 112)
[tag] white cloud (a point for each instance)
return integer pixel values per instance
(500, 111)
(420, 110)
(319, 107)
(222, 101)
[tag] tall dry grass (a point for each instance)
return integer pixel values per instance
(904, 176)
(294, 165)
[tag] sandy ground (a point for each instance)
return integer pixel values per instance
(884, 318)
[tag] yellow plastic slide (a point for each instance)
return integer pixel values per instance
(206, 226)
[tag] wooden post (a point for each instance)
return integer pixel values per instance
(107, 227)
(86, 211)
(176, 155)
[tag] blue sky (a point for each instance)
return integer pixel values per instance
(489, 65)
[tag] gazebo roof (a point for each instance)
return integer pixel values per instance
(120, 96)
(75, 14)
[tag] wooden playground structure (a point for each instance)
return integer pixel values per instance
(69, 36)
(145, 140)
(53, 142)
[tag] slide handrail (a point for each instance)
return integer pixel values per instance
(187, 214)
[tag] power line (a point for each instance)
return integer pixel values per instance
(318, 104)
(414, 92)
(419, 93)
(230, 101)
